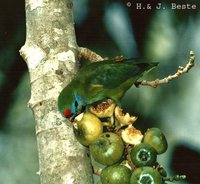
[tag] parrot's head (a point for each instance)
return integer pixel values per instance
(77, 106)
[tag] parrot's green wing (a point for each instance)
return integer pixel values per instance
(107, 74)
(109, 79)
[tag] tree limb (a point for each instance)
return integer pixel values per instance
(51, 53)
(181, 70)
(89, 55)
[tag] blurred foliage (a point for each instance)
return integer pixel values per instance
(18, 151)
(111, 28)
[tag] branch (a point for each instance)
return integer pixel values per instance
(89, 55)
(51, 52)
(181, 70)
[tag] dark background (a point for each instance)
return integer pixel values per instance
(111, 28)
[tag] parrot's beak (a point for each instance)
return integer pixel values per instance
(71, 119)
(83, 109)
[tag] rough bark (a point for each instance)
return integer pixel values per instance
(50, 52)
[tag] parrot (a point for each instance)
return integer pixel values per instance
(98, 81)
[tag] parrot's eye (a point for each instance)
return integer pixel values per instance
(76, 104)
(67, 112)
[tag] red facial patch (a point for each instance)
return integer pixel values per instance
(67, 112)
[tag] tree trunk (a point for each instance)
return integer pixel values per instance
(50, 52)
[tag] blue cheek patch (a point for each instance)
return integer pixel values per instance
(73, 108)
(80, 100)
(78, 105)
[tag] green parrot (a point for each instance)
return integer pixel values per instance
(99, 81)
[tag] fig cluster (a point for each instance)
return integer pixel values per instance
(127, 155)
